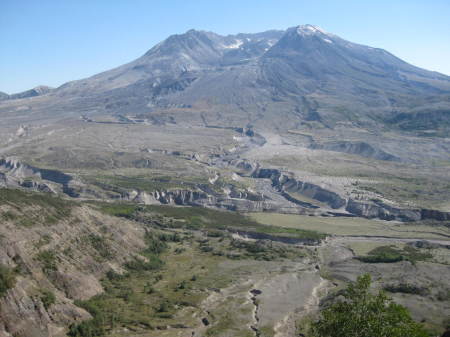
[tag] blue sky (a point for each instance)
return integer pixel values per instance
(52, 42)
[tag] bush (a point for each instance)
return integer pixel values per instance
(381, 258)
(153, 263)
(164, 306)
(91, 328)
(114, 276)
(215, 233)
(406, 288)
(364, 314)
(156, 245)
(47, 298)
(205, 248)
(48, 259)
(7, 279)
(100, 244)
(170, 237)
(391, 254)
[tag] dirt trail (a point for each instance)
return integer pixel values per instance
(286, 327)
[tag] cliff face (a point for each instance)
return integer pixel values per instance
(286, 183)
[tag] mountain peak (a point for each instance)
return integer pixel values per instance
(42, 89)
(310, 30)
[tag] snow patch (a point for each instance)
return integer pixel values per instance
(235, 45)
(328, 41)
(310, 30)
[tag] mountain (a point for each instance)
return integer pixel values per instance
(3, 96)
(37, 91)
(274, 79)
(178, 54)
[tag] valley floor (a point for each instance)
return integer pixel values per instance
(149, 230)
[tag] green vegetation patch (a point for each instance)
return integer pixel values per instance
(49, 261)
(123, 210)
(261, 250)
(48, 298)
(7, 279)
(406, 288)
(30, 208)
(362, 313)
(149, 295)
(198, 218)
(100, 244)
(145, 183)
(391, 254)
(122, 304)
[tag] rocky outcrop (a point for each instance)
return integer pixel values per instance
(236, 193)
(369, 210)
(243, 205)
(15, 168)
(17, 173)
(314, 192)
(173, 197)
(383, 211)
(245, 166)
(286, 183)
(37, 186)
(433, 214)
(240, 201)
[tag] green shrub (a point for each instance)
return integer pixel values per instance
(7, 279)
(391, 254)
(406, 288)
(9, 216)
(114, 276)
(91, 328)
(164, 306)
(215, 233)
(137, 264)
(170, 237)
(381, 258)
(365, 314)
(49, 261)
(154, 244)
(443, 295)
(100, 244)
(120, 209)
(52, 208)
(206, 248)
(148, 288)
(47, 298)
